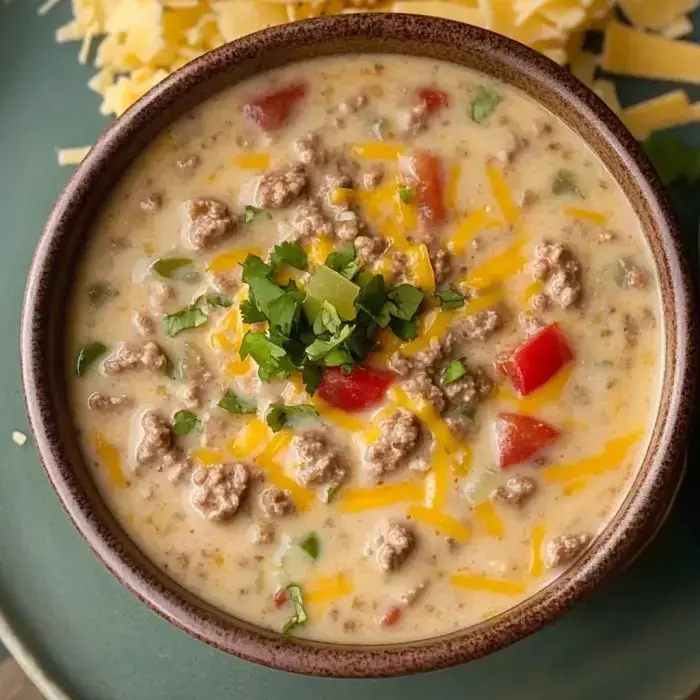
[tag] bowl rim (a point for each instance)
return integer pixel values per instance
(627, 531)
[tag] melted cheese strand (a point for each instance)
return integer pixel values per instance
(109, 458)
(536, 563)
(377, 150)
(474, 582)
(502, 194)
(252, 161)
(327, 588)
(591, 215)
(437, 482)
(611, 457)
(439, 521)
(546, 394)
(229, 261)
(334, 415)
(487, 517)
(357, 500)
(498, 268)
(468, 229)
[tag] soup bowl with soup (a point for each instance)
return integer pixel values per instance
(362, 346)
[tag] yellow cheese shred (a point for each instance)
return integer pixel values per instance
(545, 395)
(360, 499)
(475, 582)
(239, 368)
(250, 440)
(206, 456)
(72, 156)
(574, 487)
(498, 268)
(445, 524)
(423, 275)
(610, 458)
(502, 194)
(377, 150)
(591, 215)
(662, 112)
(432, 325)
(109, 458)
(536, 541)
(652, 14)
(252, 161)
(437, 481)
(452, 188)
(488, 519)
(336, 416)
(319, 250)
(327, 588)
(230, 261)
(476, 221)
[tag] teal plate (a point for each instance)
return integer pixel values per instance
(80, 634)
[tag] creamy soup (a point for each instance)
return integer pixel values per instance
(366, 349)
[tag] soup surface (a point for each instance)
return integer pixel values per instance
(366, 349)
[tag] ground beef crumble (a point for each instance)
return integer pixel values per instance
(134, 356)
(516, 492)
(218, 489)
(262, 532)
(467, 391)
(208, 222)
(276, 502)
(279, 188)
(101, 402)
(632, 275)
(480, 327)
(157, 437)
(321, 461)
(565, 548)
(555, 264)
(143, 323)
(308, 219)
(391, 545)
(399, 436)
(310, 150)
(370, 249)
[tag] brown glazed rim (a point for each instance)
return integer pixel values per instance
(43, 320)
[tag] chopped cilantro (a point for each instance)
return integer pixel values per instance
(455, 370)
(280, 415)
(251, 313)
(299, 617)
(88, 355)
(273, 360)
(449, 298)
(320, 349)
(485, 101)
(291, 253)
(311, 544)
(407, 300)
(184, 319)
(564, 182)
(345, 262)
(232, 403)
(217, 300)
(373, 297)
(406, 194)
(184, 422)
(327, 320)
(253, 267)
(406, 330)
(250, 213)
(311, 375)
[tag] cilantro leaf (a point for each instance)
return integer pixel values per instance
(217, 300)
(406, 330)
(672, 159)
(291, 253)
(327, 320)
(345, 262)
(184, 422)
(311, 544)
(88, 355)
(232, 403)
(263, 291)
(311, 375)
(251, 313)
(565, 183)
(372, 297)
(406, 194)
(280, 415)
(273, 360)
(250, 213)
(485, 101)
(449, 298)
(455, 370)
(284, 313)
(254, 267)
(184, 319)
(407, 300)
(319, 349)
(299, 617)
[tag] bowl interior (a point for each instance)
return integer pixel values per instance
(52, 274)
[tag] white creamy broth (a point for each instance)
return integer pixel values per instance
(477, 455)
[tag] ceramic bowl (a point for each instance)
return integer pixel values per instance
(51, 275)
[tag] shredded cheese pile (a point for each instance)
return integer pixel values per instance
(135, 44)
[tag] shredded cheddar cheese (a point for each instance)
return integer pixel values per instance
(336, 416)
(319, 250)
(445, 524)
(548, 393)
(611, 457)
(591, 215)
(250, 440)
(437, 482)
(327, 588)
(488, 519)
(502, 194)
(109, 458)
(478, 220)
(206, 456)
(252, 161)
(230, 261)
(360, 499)
(498, 268)
(474, 582)
(536, 541)
(377, 150)
(424, 277)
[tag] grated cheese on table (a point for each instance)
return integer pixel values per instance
(18, 438)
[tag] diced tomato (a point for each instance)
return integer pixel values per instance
(520, 437)
(391, 616)
(280, 597)
(355, 391)
(271, 111)
(424, 173)
(433, 99)
(537, 360)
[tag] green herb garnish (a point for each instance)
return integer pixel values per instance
(311, 544)
(455, 370)
(311, 375)
(406, 194)
(185, 319)
(280, 415)
(327, 320)
(345, 262)
(468, 412)
(272, 359)
(406, 301)
(184, 422)
(330, 350)
(291, 253)
(216, 300)
(449, 298)
(565, 183)
(232, 403)
(88, 355)
(250, 213)
(485, 101)
(299, 617)
(167, 267)
(253, 267)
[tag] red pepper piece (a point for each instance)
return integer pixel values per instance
(433, 99)
(424, 173)
(537, 360)
(271, 111)
(391, 616)
(356, 390)
(280, 597)
(520, 437)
